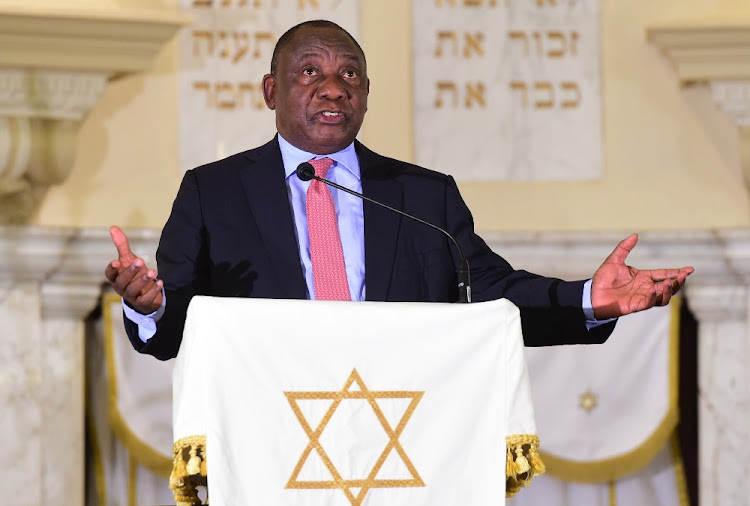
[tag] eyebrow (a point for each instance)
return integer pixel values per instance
(350, 56)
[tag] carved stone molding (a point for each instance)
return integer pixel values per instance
(706, 49)
(49, 94)
(84, 37)
(55, 62)
(734, 99)
(716, 51)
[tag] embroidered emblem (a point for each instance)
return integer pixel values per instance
(355, 489)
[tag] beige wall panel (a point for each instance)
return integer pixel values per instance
(672, 158)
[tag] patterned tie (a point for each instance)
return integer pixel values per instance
(329, 271)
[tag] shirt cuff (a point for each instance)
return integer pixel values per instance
(588, 308)
(146, 322)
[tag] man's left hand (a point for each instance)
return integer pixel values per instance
(618, 289)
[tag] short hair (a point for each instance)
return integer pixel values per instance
(315, 23)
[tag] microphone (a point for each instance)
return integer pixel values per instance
(306, 172)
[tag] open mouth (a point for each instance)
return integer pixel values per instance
(331, 116)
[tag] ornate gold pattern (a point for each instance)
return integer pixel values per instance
(370, 481)
(588, 401)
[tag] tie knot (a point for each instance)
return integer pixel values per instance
(321, 166)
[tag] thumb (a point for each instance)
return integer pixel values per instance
(622, 250)
(121, 243)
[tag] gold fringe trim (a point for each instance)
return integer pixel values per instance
(188, 470)
(522, 462)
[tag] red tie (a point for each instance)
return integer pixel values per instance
(329, 271)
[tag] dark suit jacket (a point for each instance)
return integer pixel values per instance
(231, 234)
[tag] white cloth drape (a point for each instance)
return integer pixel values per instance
(335, 403)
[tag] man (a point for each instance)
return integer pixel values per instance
(239, 227)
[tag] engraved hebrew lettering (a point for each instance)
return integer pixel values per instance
(205, 86)
(560, 51)
(224, 102)
(475, 93)
(198, 36)
(259, 38)
(241, 44)
(520, 36)
(475, 42)
(550, 90)
(571, 86)
(446, 86)
(521, 87)
(446, 35)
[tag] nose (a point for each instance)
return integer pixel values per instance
(332, 88)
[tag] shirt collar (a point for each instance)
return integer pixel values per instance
(292, 156)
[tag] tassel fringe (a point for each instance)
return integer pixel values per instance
(188, 470)
(522, 462)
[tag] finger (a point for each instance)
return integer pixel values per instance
(622, 250)
(121, 243)
(141, 283)
(151, 299)
(661, 274)
(127, 275)
(113, 268)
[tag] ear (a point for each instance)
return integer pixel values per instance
(269, 91)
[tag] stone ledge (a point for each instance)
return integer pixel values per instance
(111, 41)
(706, 50)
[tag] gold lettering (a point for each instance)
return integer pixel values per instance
(449, 35)
(521, 87)
(571, 86)
(560, 52)
(521, 36)
(259, 38)
(242, 45)
(199, 35)
(226, 103)
(204, 86)
(475, 93)
(550, 100)
(446, 86)
(475, 42)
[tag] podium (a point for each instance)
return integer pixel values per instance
(295, 402)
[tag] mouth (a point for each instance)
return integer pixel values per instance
(331, 117)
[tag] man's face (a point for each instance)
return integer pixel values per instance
(319, 90)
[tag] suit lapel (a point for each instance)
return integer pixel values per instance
(267, 197)
(381, 225)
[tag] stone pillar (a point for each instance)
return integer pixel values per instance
(723, 379)
(50, 280)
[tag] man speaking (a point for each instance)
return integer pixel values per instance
(247, 226)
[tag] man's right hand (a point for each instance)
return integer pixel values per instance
(136, 283)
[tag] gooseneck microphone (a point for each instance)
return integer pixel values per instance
(306, 172)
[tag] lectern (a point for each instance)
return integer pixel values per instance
(291, 402)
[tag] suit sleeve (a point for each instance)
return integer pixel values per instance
(182, 262)
(551, 312)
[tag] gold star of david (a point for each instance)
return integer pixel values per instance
(370, 481)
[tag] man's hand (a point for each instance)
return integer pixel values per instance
(618, 289)
(136, 283)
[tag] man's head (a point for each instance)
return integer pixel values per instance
(318, 87)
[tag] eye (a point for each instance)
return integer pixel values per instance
(308, 71)
(351, 74)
